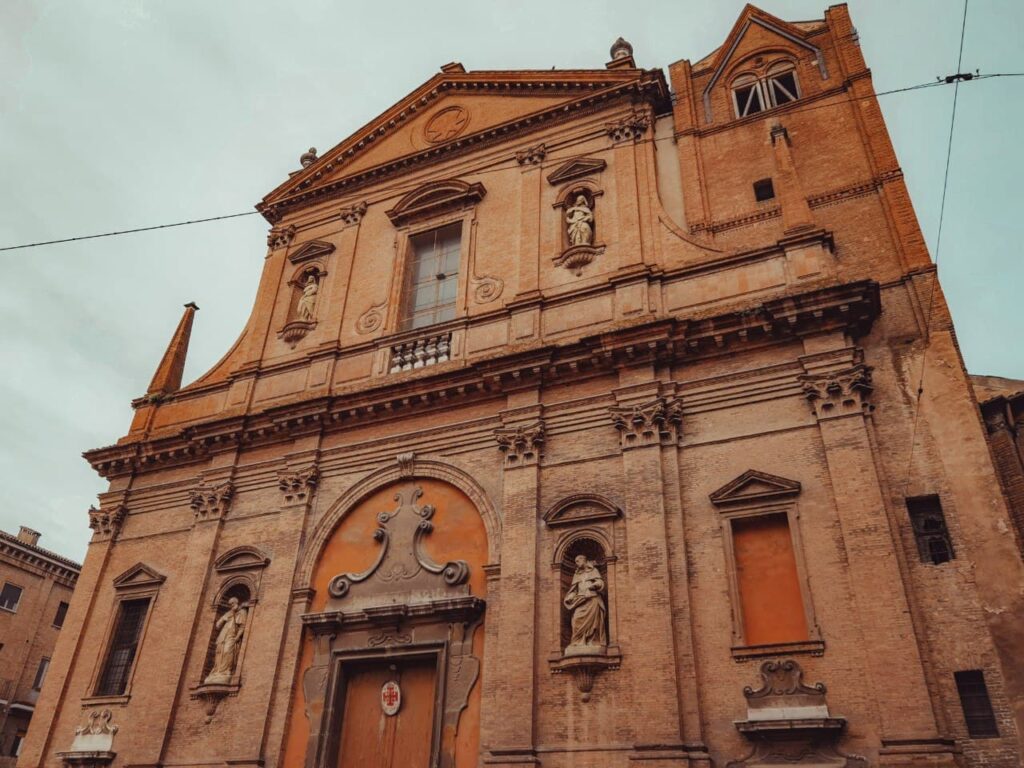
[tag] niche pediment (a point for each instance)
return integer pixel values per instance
(311, 250)
(575, 169)
(581, 508)
(754, 486)
(244, 558)
(139, 575)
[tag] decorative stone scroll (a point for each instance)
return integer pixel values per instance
(486, 288)
(106, 522)
(838, 393)
(659, 421)
(211, 502)
(93, 743)
(402, 567)
(371, 319)
(522, 445)
(789, 722)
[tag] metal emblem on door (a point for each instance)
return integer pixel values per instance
(390, 698)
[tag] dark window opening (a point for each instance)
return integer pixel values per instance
(433, 277)
(62, 612)
(124, 645)
(929, 523)
(764, 190)
(44, 666)
(748, 100)
(977, 707)
(19, 739)
(783, 88)
(10, 596)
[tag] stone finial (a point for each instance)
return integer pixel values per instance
(621, 49)
(308, 157)
(167, 378)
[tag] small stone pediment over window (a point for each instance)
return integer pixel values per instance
(139, 575)
(754, 486)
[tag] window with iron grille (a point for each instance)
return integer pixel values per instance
(10, 597)
(977, 707)
(124, 644)
(929, 523)
(432, 277)
(62, 612)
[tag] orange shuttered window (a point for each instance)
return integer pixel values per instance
(769, 588)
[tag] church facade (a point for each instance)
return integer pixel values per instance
(576, 424)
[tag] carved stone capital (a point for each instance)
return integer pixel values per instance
(838, 393)
(106, 522)
(211, 502)
(298, 485)
(657, 422)
(522, 445)
(532, 156)
(280, 237)
(352, 214)
(629, 128)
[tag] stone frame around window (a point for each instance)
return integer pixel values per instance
(775, 495)
(137, 583)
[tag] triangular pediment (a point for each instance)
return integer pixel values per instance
(244, 558)
(575, 169)
(753, 486)
(311, 250)
(755, 29)
(581, 508)
(452, 112)
(139, 575)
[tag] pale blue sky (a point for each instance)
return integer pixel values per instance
(126, 113)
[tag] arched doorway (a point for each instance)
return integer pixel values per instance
(393, 643)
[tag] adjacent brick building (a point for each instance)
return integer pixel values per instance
(35, 592)
(576, 424)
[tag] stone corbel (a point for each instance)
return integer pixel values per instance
(298, 486)
(211, 502)
(106, 521)
(656, 422)
(585, 668)
(522, 445)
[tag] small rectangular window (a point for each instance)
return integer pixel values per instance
(44, 666)
(763, 190)
(977, 707)
(124, 644)
(432, 276)
(929, 523)
(62, 612)
(10, 597)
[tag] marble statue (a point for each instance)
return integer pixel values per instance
(307, 302)
(586, 603)
(232, 626)
(580, 220)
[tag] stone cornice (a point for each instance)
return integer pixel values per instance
(851, 307)
(305, 190)
(25, 554)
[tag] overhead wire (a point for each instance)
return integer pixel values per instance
(501, 165)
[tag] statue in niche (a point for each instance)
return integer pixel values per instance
(232, 626)
(307, 302)
(579, 221)
(586, 603)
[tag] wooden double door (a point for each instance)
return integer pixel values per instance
(371, 738)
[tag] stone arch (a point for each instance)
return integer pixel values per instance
(410, 468)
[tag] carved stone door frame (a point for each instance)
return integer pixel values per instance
(334, 713)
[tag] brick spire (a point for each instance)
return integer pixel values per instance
(167, 378)
(796, 213)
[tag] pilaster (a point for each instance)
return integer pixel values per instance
(648, 417)
(837, 385)
(509, 698)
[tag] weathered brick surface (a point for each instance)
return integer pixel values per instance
(700, 296)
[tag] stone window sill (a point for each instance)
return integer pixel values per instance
(93, 701)
(805, 647)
